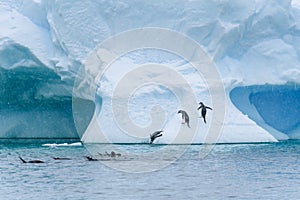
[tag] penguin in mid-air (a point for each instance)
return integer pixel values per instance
(203, 111)
(185, 117)
(155, 135)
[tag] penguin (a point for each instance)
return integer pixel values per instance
(31, 161)
(155, 135)
(90, 158)
(111, 154)
(185, 117)
(59, 158)
(203, 111)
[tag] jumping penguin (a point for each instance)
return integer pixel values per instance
(203, 111)
(185, 117)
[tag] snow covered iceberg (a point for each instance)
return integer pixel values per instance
(254, 45)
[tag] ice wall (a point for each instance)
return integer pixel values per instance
(273, 107)
(253, 43)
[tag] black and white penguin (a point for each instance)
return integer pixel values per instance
(155, 135)
(30, 161)
(185, 117)
(59, 158)
(203, 111)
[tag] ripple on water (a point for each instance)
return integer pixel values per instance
(247, 171)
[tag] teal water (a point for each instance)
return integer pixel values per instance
(230, 171)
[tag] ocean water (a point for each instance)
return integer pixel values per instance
(230, 171)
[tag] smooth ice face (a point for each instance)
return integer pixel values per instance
(254, 44)
(273, 107)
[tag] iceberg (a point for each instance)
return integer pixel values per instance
(46, 47)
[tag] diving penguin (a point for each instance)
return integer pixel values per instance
(155, 135)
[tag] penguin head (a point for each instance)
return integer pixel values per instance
(179, 111)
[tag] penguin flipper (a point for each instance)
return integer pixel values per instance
(22, 159)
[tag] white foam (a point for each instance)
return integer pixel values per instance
(62, 144)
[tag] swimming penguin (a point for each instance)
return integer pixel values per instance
(185, 117)
(111, 154)
(90, 158)
(155, 135)
(30, 161)
(203, 111)
(59, 158)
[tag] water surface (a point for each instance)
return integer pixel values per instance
(239, 171)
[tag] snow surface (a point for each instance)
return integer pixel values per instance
(255, 45)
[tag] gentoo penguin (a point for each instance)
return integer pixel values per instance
(185, 117)
(155, 135)
(203, 111)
